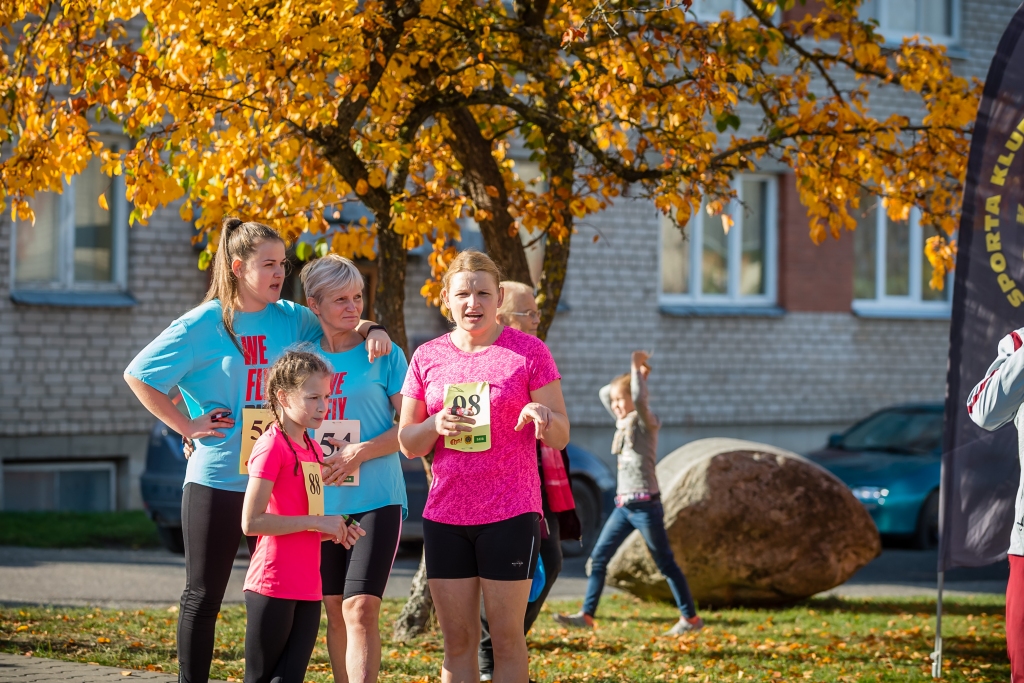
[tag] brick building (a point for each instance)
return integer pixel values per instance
(757, 334)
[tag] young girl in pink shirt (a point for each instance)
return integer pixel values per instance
(284, 506)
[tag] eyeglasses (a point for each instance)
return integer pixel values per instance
(532, 315)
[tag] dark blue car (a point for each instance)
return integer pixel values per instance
(593, 487)
(891, 461)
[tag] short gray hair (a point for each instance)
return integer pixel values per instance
(512, 288)
(330, 273)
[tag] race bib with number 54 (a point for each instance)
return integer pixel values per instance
(472, 399)
(346, 431)
(255, 421)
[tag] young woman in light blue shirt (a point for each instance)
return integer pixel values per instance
(216, 354)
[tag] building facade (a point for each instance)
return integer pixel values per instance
(756, 334)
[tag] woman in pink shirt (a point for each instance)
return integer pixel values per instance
(284, 506)
(470, 397)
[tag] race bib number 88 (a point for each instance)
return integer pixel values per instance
(472, 399)
(313, 482)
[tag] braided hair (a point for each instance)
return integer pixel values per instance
(287, 374)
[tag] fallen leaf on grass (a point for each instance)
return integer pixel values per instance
(126, 673)
(103, 640)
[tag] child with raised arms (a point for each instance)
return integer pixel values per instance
(284, 506)
(637, 500)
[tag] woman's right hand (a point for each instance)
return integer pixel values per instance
(446, 424)
(208, 424)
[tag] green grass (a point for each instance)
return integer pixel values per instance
(78, 530)
(821, 640)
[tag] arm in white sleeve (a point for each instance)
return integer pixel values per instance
(606, 398)
(638, 388)
(997, 398)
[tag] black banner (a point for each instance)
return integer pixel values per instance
(980, 469)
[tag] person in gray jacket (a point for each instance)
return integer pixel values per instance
(637, 500)
(996, 400)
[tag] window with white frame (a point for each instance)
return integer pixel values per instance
(707, 264)
(936, 19)
(75, 243)
(891, 274)
(711, 10)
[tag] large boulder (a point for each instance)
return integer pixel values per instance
(750, 524)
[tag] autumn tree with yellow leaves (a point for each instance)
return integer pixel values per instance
(285, 111)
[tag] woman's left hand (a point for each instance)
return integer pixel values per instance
(378, 344)
(536, 413)
(344, 462)
(353, 532)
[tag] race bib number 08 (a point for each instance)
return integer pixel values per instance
(313, 482)
(255, 421)
(346, 431)
(472, 399)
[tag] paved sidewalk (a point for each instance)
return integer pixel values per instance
(152, 578)
(21, 669)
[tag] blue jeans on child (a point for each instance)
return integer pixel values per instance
(647, 517)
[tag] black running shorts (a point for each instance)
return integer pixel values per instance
(499, 551)
(363, 569)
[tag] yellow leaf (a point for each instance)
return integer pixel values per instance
(727, 222)
(103, 202)
(492, 191)
(362, 187)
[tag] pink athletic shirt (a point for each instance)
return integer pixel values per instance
(285, 566)
(502, 482)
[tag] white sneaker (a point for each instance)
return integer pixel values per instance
(683, 626)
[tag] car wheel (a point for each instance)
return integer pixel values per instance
(926, 535)
(588, 509)
(172, 539)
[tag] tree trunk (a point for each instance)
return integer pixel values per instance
(389, 299)
(483, 182)
(415, 616)
(556, 254)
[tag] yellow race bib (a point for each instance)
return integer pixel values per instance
(314, 488)
(339, 430)
(255, 421)
(472, 399)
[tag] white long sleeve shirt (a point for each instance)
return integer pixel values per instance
(996, 400)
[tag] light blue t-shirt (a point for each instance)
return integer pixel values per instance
(361, 390)
(196, 353)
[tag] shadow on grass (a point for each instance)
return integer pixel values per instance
(912, 606)
(78, 651)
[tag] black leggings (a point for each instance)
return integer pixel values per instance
(279, 638)
(211, 524)
(363, 569)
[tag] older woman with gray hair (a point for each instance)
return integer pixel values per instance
(362, 468)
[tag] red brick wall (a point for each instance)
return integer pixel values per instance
(811, 278)
(798, 11)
